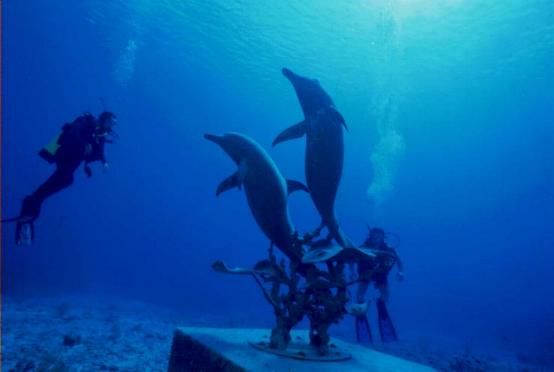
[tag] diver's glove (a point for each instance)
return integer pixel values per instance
(400, 276)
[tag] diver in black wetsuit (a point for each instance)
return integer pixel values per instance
(81, 140)
(376, 271)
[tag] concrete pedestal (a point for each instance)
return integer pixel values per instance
(223, 349)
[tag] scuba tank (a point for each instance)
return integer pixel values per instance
(49, 151)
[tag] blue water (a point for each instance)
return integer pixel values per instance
(450, 148)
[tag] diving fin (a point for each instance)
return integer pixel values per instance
(296, 131)
(24, 233)
(363, 331)
(293, 186)
(386, 328)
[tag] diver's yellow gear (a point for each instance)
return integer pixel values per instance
(48, 152)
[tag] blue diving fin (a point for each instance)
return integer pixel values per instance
(363, 331)
(24, 233)
(386, 328)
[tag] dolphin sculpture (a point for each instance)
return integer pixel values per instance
(323, 126)
(265, 188)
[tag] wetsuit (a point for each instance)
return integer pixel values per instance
(377, 270)
(78, 142)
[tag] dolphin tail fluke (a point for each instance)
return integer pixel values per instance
(343, 240)
(296, 131)
(340, 238)
(293, 186)
(228, 183)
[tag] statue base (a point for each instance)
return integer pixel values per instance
(230, 349)
(301, 349)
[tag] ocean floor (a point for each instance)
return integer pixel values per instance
(92, 334)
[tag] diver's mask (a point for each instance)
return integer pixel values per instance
(104, 130)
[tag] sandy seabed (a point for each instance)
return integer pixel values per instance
(100, 334)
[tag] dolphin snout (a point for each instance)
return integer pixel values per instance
(212, 137)
(288, 73)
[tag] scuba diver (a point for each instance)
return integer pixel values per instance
(376, 271)
(80, 141)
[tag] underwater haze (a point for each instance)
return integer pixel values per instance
(449, 106)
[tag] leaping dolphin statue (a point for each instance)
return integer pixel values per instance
(265, 188)
(323, 126)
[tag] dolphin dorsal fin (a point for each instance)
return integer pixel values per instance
(228, 183)
(296, 131)
(293, 186)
